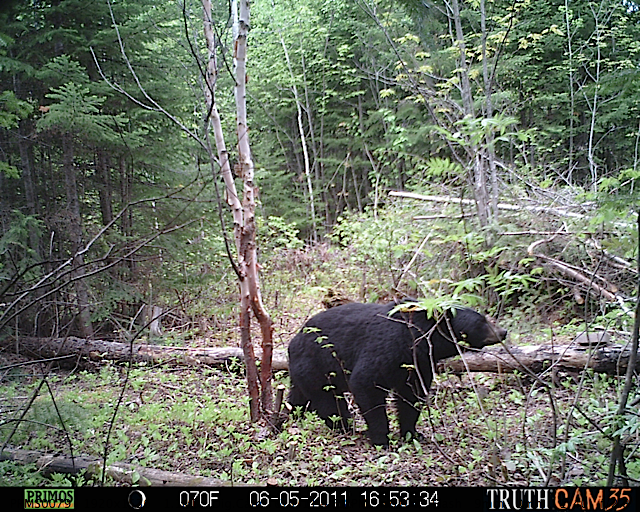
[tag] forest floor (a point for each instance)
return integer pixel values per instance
(479, 429)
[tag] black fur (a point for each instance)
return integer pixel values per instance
(359, 348)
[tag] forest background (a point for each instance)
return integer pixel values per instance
(514, 124)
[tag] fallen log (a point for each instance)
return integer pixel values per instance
(562, 212)
(119, 471)
(611, 359)
(603, 358)
(99, 350)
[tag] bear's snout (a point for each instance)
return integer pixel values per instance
(496, 333)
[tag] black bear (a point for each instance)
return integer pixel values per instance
(362, 349)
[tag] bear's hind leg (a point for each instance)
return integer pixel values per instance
(296, 397)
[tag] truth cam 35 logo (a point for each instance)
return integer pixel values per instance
(567, 499)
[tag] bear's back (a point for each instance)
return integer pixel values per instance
(349, 332)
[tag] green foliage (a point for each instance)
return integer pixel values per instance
(443, 167)
(63, 70)
(435, 307)
(382, 244)
(9, 171)
(378, 86)
(78, 112)
(16, 251)
(14, 474)
(276, 233)
(402, 254)
(12, 109)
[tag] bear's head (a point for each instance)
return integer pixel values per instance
(458, 326)
(475, 330)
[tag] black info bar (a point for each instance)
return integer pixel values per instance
(606, 499)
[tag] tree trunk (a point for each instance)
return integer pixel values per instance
(76, 237)
(29, 180)
(594, 105)
(126, 219)
(572, 101)
(616, 461)
(465, 87)
(611, 359)
(479, 177)
(557, 211)
(248, 256)
(104, 187)
(489, 150)
(244, 225)
(303, 142)
(152, 316)
(233, 200)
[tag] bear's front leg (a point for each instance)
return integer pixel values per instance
(409, 400)
(408, 412)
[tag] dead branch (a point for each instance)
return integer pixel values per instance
(119, 471)
(613, 259)
(572, 272)
(501, 206)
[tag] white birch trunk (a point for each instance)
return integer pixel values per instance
(260, 395)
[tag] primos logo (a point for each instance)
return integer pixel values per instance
(48, 498)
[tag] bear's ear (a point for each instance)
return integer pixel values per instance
(406, 307)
